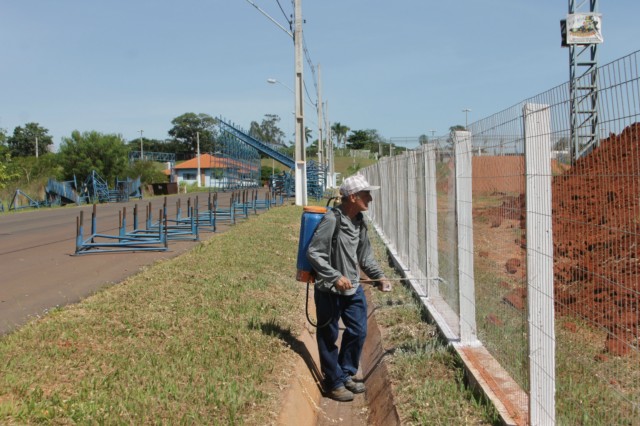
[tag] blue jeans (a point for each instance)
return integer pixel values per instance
(337, 364)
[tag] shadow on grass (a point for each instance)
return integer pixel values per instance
(270, 328)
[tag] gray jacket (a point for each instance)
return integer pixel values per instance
(353, 252)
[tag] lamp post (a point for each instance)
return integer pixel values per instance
(198, 157)
(276, 81)
(141, 147)
(466, 117)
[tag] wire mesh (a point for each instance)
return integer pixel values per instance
(579, 334)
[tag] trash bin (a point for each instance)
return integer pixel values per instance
(166, 188)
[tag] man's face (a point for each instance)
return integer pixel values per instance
(362, 200)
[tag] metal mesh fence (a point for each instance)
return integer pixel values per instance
(511, 240)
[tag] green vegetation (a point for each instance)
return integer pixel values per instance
(429, 384)
(200, 339)
(83, 152)
(209, 338)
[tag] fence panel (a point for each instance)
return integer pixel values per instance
(570, 331)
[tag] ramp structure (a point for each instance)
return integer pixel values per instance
(316, 173)
(269, 150)
(62, 193)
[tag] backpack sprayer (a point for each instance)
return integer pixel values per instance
(311, 217)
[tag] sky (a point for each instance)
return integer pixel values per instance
(403, 68)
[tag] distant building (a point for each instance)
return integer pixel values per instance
(216, 172)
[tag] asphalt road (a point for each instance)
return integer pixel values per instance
(38, 268)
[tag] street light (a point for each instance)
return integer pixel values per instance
(466, 117)
(141, 147)
(274, 81)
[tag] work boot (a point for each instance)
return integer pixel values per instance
(355, 387)
(341, 394)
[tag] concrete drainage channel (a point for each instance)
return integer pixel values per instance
(304, 403)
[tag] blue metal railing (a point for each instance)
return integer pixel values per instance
(254, 143)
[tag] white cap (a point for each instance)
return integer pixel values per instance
(355, 183)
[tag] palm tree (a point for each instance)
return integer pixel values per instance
(341, 133)
(307, 134)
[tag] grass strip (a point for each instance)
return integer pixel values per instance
(205, 338)
(428, 383)
(198, 339)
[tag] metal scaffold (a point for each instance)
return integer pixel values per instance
(582, 34)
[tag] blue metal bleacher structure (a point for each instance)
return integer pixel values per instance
(96, 190)
(316, 174)
(123, 241)
(62, 193)
(21, 200)
(181, 227)
(93, 190)
(161, 157)
(269, 150)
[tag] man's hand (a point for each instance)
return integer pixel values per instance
(343, 284)
(385, 285)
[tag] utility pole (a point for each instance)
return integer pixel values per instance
(329, 145)
(141, 147)
(321, 154)
(198, 156)
(301, 161)
(36, 146)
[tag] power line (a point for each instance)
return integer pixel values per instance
(283, 13)
(270, 18)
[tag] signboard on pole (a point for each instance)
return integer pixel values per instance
(584, 28)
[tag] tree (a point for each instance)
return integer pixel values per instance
(340, 132)
(23, 141)
(188, 127)
(268, 131)
(423, 139)
(32, 169)
(452, 129)
(148, 171)
(4, 149)
(358, 139)
(6, 172)
(107, 154)
(365, 139)
(307, 134)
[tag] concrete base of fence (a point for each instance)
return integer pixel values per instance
(485, 374)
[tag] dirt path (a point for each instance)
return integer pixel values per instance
(305, 405)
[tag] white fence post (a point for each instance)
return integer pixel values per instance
(464, 205)
(412, 214)
(539, 264)
(432, 271)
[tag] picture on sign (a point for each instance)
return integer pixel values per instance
(584, 28)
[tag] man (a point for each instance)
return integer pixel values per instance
(338, 293)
